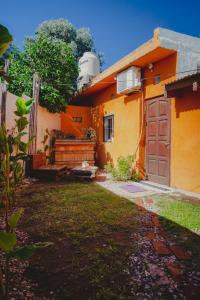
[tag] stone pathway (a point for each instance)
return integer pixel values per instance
(117, 188)
(160, 268)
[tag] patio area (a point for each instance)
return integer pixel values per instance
(106, 247)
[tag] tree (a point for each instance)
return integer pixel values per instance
(53, 53)
(80, 40)
(56, 65)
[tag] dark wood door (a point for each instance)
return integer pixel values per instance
(158, 140)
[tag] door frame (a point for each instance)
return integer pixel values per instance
(170, 127)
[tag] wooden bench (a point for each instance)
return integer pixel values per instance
(36, 167)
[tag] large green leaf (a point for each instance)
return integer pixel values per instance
(21, 123)
(5, 39)
(7, 241)
(29, 104)
(21, 107)
(15, 217)
(22, 146)
(26, 252)
(19, 156)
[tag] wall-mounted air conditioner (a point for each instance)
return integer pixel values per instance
(129, 81)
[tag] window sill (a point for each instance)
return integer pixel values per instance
(109, 141)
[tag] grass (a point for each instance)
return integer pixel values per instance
(181, 218)
(185, 214)
(91, 229)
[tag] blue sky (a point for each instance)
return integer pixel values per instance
(117, 26)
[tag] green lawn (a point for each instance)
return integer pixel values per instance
(181, 218)
(91, 229)
(182, 213)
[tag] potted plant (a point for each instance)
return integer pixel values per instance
(90, 134)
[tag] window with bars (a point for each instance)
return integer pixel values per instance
(108, 128)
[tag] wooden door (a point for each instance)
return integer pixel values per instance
(157, 154)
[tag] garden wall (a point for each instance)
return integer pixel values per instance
(44, 118)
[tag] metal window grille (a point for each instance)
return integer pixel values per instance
(108, 128)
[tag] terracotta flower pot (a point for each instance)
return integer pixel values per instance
(38, 160)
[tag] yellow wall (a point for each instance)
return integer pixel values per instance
(185, 142)
(126, 124)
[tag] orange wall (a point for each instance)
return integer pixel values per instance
(166, 68)
(69, 126)
(185, 125)
(126, 124)
(127, 114)
(185, 142)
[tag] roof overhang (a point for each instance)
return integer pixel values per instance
(164, 43)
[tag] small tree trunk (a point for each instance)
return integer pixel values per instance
(4, 95)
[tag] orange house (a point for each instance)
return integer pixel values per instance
(157, 123)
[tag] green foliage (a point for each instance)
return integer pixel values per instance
(80, 40)
(25, 252)
(84, 41)
(60, 29)
(5, 39)
(15, 217)
(45, 140)
(123, 169)
(7, 241)
(53, 53)
(108, 167)
(56, 65)
(13, 151)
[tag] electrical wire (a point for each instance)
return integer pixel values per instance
(142, 79)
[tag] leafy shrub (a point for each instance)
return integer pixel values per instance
(108, 167)
(123, 170)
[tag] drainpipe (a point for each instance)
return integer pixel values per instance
(142, 123)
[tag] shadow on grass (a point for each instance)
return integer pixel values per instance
(96, 237)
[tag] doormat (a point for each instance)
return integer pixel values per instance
(131, 188)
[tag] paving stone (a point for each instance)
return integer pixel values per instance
(151, 235)
(180, 252)
(161, 248)
(156, 221)
(156, 270)
(175, 269)
(191, 292)
(149, 201)
(164, 234)
(139, 203)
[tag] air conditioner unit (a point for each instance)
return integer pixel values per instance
(129, 81)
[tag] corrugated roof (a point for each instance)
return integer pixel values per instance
(190, 76)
